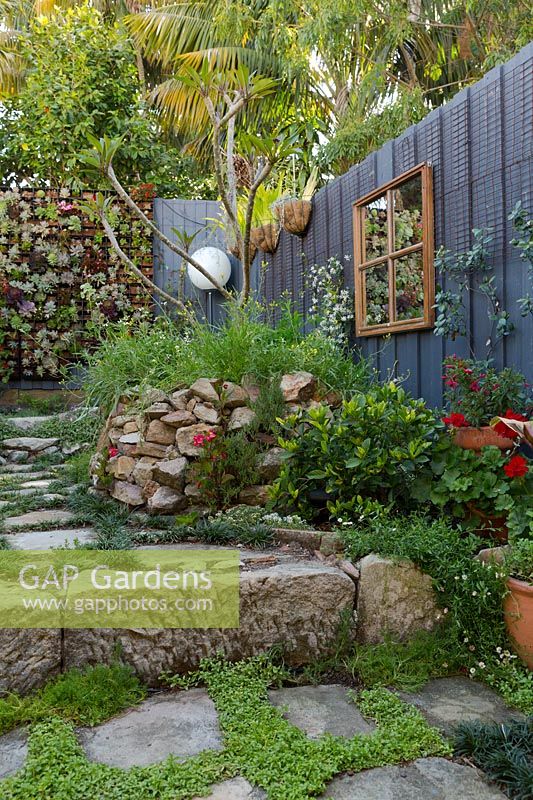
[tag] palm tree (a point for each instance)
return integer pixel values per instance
(16, 17)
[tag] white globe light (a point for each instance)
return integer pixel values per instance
(215, 262)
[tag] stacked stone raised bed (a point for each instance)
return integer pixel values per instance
(154, 441)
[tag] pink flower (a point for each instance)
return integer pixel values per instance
(475, 387)
(112, 452)
(198, 440)
(453, 384)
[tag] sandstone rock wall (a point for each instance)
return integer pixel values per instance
(145, 454)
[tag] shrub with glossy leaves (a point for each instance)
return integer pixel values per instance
(373, 446)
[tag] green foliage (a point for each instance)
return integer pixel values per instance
(374, 446)
(523, 225)
(7, 429)
(361, 131)
(85, 697)
(463, 482)
(480, 392)
(81, 78)
(519, 560)
(472, 272)
(405, 665)
(226, 464)
(291, 766)
(80, 427)
(470, 593)
(503, 752)
(163, 355)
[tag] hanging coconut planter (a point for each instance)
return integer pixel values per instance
(294, 215)
(234, 250)
(265, 237)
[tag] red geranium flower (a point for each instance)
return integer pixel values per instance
(113, 451)
(517, 467)
(502, 429)
(456, 420)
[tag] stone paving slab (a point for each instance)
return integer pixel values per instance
(180, 724)
(45, 540)
(27, 423)
(424, 779)
(36, 484)
(10, 477)
(13, 752)
(235, 789)
(321, 709)
(447, 701)
(37, 518)
(31, 444)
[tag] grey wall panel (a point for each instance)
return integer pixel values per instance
(481, 147)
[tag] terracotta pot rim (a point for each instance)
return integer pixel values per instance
(518, 585)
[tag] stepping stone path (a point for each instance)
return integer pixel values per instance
(181, 725)
(321, 709)
(23, 480)
(51, 515)
(45, 540)
(13, 752)
(185, 723)
(424, 779)
(446, 702)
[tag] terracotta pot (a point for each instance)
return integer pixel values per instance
(294, 215)
(265, 237)
(491, 526)
(518, 611)
(476, 438)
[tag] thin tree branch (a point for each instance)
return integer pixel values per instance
(110, 233)
(122, 193)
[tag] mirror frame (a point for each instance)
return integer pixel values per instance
(426, 247)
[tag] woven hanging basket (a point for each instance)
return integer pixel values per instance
(235, 251)
(265, 237)
(294, 215)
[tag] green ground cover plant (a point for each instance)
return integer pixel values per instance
(291, 767)
(85, 697)
(503, 752)
(470, 593)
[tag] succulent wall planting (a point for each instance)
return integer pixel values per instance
(59, 281)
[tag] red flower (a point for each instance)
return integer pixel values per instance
(475, 387)
(453, 384)
(502, 429)
(198, 440)
(113, 451)
(517, 467)
(456, 420)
